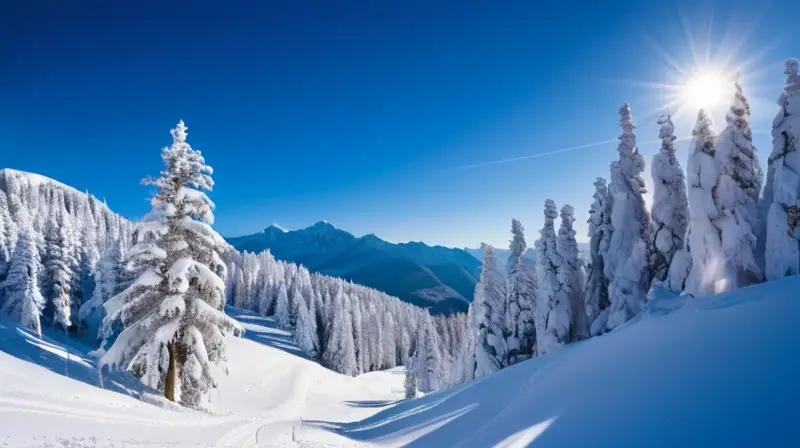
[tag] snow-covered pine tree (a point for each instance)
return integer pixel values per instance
(7, 232)
(410, 382)
(782, 233)
(240, 290)
(547, 263)
(707, 274)
(305, 333)
(340, 354)
(736, 195)
(670, 210)
(358, 331)
(282, 307)
(173, 327)
(626, 264)
(567, 321)
(464, 369)
(106, 285)
(491, 352)
(23, 301)
(599, 237)
(427, 357)
(521, 293)
(58, 266)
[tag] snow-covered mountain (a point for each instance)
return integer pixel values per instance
(439, 278)
(711, 371)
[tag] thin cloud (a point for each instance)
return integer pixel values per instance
(550, 153)
(533, 156)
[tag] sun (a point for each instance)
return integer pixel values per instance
(705, 90)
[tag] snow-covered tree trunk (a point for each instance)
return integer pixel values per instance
(670, 210)
(173, 327)
(547, 264)
(782, 255)
(24, 301)
(490, 298)
(626, 264)
(600, 230)
(410, 381)
(736, 195)
(707, 274)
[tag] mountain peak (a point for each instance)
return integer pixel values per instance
(276, 227)
(321, 226)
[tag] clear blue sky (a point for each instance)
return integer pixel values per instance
(357, 111)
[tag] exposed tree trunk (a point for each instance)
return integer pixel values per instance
(169, 384)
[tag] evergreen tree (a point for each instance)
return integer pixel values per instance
(567, 321)
(670, 211)
(490, 297)
(240, 290)
(626, 264)
(548, 261)
(59, 265)
(282, 308)
(707, 274)
(173, 327)
(304, 331)
(600, 230)
(427, 357)
(24, 302)
(106, 286)
(522, 287)
(340, 352)
(7, 233)
(736, 195)
(782, 233)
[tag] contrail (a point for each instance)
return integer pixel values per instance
(534, 156)
(555, 151)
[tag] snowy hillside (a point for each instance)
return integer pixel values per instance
(50, 399)
(716, 371)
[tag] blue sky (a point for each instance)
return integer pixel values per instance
(364, 113)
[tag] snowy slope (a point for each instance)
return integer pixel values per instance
(716, 371)
(262, 402)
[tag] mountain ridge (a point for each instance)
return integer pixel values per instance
(439, 278)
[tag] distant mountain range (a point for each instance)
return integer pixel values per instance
(439, 278)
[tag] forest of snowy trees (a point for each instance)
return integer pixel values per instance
(708, 231)
(152, 295)
(53, 241)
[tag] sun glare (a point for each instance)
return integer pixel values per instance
(705, 91)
